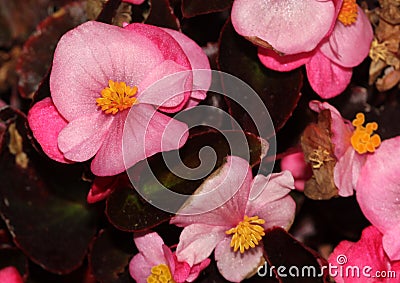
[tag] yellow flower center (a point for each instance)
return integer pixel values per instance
(116, 97)
(247, 233)
(363, 140)
(160, 274)
(348, 12)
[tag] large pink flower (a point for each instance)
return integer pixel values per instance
(246, 207)
(156, 260)
(338, 37)
(378, 193)
(100, 74)
(367, 256)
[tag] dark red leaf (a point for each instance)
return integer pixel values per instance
(162, 15)
(191, 8)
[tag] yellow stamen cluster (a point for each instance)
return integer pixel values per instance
(348, 13)
(379, 51)
(247, 233)
(160, 274)
(116, 97)
(363, 140)
(319, 156)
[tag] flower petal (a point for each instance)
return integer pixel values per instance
(101, 188)
(196, 269)
(140, 268)
(10, 274)
(134, 2)
(81, 139)
(286, 63)
(378, 187)
(348, 46)
(282, 23)
(391, 243)
(327, 78)
(46, 123)
(221, 199)
(87, 57)
(300, 170)
(347, 171)
(150, 245)
(197, 241)
(235, 266)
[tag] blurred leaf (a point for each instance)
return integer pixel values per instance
(281, 249)
(43, 202)
(162, 15)
(280, 91)
(109, 11)
(127, 210)
(37, 54)
(14, 257)
(110, 256)
(191, 8)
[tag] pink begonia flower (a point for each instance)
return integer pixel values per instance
(338, 38)
(378, 193)
(10, 275)
(258, 204)
(99, 73)
(300, 170)
(156, 260)
(368, 255)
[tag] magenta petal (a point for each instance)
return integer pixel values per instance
(10, 275)
(284, 24)
(378, 187)
(199, 61)
(300, 170)
(81, 139)
(349, 45)
(286, 63)
(197, 241)
(391, 243)
(140, 268)
(134, 2)
(196, 269)
(146, 132)
(341, 128)
(46, 123)
(327, 78)
(101, 188)
(347, 170)
(87, 57)
(235, 266)
(222, 198)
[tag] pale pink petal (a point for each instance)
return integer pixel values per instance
(145, 133)
(46, 123)
(10, 274)
(391, 243)
(378, 187)
(341, 128)
(134, 2)
(327, 78)
(82, 138)
(226, 190)
(300, 170)
(165, 85)
(347, 170)
(284, 24)
(101, 188)
(140, 268)
(197, 241)
(286, 63)
(367, 252)
(87, 57)
(349, 45)
(150, 245)
(199, 61)
(235, 266)
(196, 269)
(273, 204)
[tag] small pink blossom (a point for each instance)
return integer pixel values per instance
(154, 254)
(261, 203)
(378, 194)
(10, 275)
(85, 117)
(300, 170)
(329, 49)
(368, 255)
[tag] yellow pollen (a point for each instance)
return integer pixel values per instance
(116, 97)
(319, 156)
(379, 51)
(348, 12)
(363, 140)
(160, 274)
(247, 234)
